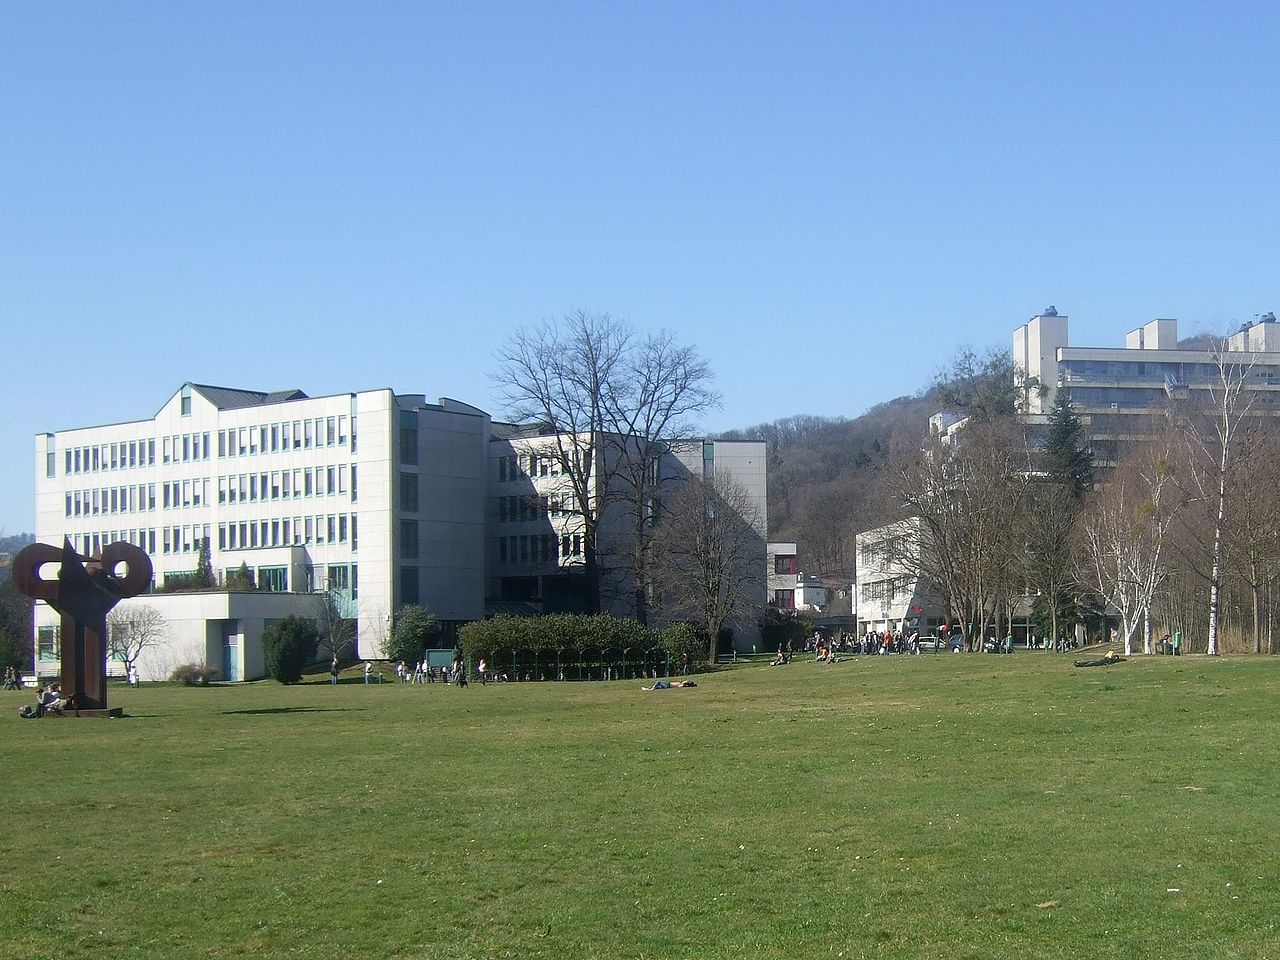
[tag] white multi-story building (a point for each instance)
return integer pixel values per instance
(372, 500)
(890, 593)
(372, 497)
(1116, 390)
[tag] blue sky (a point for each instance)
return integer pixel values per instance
(828, 199)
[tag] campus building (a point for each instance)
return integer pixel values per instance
(890, 592)
(374, 498)
(536, 552)
(1117, 390)
(368, 500)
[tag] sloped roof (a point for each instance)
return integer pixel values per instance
(231, 398)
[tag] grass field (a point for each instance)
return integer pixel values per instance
(935, 806)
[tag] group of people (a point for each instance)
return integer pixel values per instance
(49, 701)
(11, 678)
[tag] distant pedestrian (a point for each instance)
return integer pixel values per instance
(333, 671)
(482, 672)
(368, 672)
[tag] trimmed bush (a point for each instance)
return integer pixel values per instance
(288, 645)
(556, 631)
(193, 675)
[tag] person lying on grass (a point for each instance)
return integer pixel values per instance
(670, 685)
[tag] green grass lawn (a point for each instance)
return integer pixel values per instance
(935, 806)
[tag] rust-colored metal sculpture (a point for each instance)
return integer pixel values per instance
(85, 590)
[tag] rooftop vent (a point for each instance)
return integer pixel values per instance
(1050, 311)
(1267, 318)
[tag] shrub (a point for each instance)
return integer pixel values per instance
(780, 627)
(680, 639)
(413, 630)
(554, 631)
(288, 645)
(193, 675)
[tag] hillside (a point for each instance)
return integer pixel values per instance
(825, 476)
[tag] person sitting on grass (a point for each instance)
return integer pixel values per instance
(670, 685)
(49, 701)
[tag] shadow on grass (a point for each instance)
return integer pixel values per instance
(265, 711)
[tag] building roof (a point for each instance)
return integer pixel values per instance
(501, 430)
(231, 398)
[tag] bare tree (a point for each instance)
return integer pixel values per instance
(709, 550)
(337, 630)
(133, 628)
(1124, 535)
(1049, 532)
(1213, 427)
(969, 499)
(609, 401)
(1252, 534)
(664, 385)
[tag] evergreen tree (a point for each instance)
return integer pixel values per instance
(203, 579)
(1068, 458)
(288, 645)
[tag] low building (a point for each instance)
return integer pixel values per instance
(890, 592)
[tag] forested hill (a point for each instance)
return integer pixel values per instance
(825, 475)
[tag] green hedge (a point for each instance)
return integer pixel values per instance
(499, 637)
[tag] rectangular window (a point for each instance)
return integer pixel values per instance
(168, 449)
(307, 426)
(47, 642)
(355, 533)
(306, 476)
(331, 432)
(353, 483)
(342, 431)
(408, 585)
(409, 539)
(409, 492)
(502, 549)
(273, 579)
(502, 509)
(275, 437)
(408, 445)
(275, 485)
(331, 480)
(342, 528)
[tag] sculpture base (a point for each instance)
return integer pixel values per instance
(108, 712)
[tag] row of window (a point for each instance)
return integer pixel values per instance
(247, 534)
(285, 436)
(329, 481)
(525, 466)
(538, 548)
(87, 544)
(134, 498)
(885, 590)
(517, 509)
(110, 456)
(191, 447)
